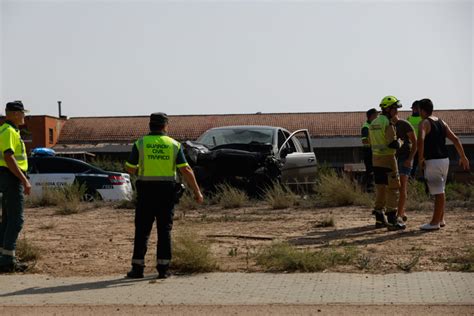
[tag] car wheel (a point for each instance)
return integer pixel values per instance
(90, 197)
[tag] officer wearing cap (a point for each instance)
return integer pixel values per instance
(155, 158)
(384, 144)
(369, 172)
(13, 185)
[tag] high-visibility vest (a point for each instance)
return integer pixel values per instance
(378, 142)
(365, 125)
(10, 139)
(157, 158)
(414, 121)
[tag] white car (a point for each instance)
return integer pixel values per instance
(48, 171)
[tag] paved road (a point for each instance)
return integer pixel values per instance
(422, 288)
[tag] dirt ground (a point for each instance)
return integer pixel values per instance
(99, 239)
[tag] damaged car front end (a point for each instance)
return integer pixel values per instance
(248, 157)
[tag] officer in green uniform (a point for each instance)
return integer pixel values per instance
(414, 119)
(155, 158)
(384, 143)
(369, 172)
(13, 184)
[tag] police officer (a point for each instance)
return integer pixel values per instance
(384, 143)
(369, 172)
(155, 158)
(13, 185)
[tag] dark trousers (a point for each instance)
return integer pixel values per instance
(12, 209)
(155, 201)
(369, 169)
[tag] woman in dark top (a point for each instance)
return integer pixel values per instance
(433, 159)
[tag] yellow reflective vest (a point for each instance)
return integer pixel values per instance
(157, 158)
(414, 121)
(365, 125)
(10, 139)
(381, 133)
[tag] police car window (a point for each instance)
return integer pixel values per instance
(58, 165)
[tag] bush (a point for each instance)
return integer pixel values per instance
(416, 195)
(228, 196)
(280, 196)
(191, 255)
(27, 251)
(67, 198)
(284, 257)
(335, 190)
(187, 201)
(459, 192)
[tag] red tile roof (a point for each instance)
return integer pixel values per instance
(182, 127)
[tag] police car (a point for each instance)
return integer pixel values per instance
(48, 171)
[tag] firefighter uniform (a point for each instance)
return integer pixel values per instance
(11, 189)
(156, 156)
(383, 142)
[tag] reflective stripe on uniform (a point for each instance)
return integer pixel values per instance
(138, 261)
(8, 252)
(127, 164)
(163, 261)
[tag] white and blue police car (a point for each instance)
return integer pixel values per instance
(46, 170)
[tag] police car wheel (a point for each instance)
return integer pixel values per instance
(89, 197)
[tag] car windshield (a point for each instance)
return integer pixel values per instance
(217, 137)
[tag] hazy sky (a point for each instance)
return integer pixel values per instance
(109, 58)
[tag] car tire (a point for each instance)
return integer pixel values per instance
(91, 197)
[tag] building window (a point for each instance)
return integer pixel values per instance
(51, 136)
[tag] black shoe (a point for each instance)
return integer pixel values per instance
(404, 218)
(380, 221)
(14, 267)
(164, 275)
(393, 223)
(162, 271)
(136, 272)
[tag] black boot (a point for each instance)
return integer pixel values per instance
(380, 221)
(392, 221)
(136, 272)
(162, 271)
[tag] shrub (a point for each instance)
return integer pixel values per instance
(191, 255)
(280, 196)
(284, 257)
(26, 250)
(228, 196)
(335, 190)
(459, 192)
(417, 197)
(187, 201)
(69, 198)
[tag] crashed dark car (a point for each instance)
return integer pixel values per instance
(251, 157)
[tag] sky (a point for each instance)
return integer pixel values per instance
(117, 58)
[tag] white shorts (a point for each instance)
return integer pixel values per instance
(436, 173)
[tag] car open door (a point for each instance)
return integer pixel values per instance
(300, 165)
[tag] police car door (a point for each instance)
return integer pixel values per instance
(300, 164)
(49, 172)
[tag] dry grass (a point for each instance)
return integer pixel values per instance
(191, 255)
(334, 190)
(464, 262)
(27, 251)
(187, 202)
(66, 198)
(417, 198)
(228, 197)
(284, 257)
(280, 196)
